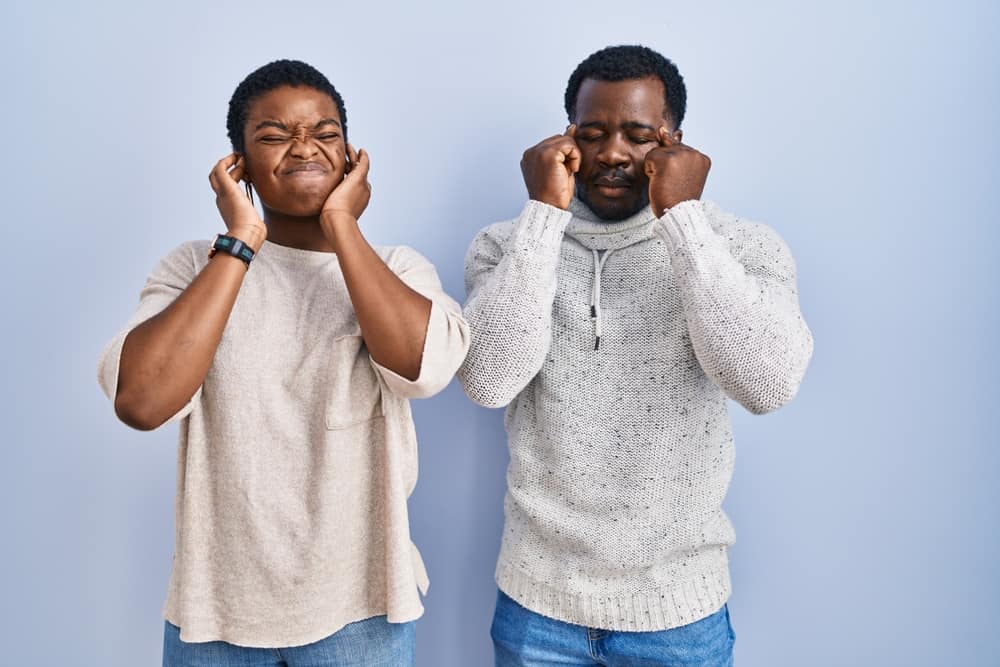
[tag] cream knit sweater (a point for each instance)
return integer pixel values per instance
(616, 346)
(297, 454)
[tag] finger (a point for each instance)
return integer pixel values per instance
(352, 158)
(571, 131)
(572, 158)
(219, 171)
(649, 166)
(361, 165)
(238, 172)
(663, 136)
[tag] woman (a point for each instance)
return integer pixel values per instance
(288, 348)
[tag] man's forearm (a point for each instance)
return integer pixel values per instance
(510, 307)
(745, 325)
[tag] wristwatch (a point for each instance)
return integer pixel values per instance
(231, 246)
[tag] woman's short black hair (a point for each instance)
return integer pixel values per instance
(270, 76)
(619, 63)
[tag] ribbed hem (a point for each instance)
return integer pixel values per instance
(686, 602)
(684, 224)
(540, 226)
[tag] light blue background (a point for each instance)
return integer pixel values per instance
(866, 511)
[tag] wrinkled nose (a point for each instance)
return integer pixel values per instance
(303, 146)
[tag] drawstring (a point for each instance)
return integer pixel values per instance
(595, 295)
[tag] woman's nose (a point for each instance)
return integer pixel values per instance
(303, 147)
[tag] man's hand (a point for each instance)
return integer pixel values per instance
(548, 169)
(676, 173)
(238, 212)
(351, 196)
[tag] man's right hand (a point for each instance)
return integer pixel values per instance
(548, 168)
(238, 212)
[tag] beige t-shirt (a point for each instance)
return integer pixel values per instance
(297, 454)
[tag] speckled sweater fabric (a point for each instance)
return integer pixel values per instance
(616, 346)
(297, 454)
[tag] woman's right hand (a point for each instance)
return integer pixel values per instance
(238, 212)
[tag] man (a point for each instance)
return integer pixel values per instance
(615, 315)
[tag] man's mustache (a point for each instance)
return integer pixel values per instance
(613, 177)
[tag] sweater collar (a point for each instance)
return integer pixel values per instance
(592, 232)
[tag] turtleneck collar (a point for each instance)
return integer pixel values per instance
(593, 233)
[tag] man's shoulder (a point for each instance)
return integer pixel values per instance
(749, 240)
(738, 229)
(492, 240)
(497, 232)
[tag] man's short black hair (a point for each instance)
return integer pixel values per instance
(267, 78)
(619, 63)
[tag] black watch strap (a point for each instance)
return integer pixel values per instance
(231, 246)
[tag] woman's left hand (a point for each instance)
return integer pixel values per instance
(352, 195)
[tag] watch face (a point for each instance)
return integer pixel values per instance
(211, 251)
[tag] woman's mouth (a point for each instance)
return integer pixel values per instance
(306, 170)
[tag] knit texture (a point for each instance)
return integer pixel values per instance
(297, 454)
(615, 346)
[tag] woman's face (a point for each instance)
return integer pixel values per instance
(294, 148)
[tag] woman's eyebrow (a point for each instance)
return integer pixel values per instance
(271, 123)
(284, 128)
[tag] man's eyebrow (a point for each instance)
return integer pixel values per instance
(631, 125)
(326, 121)
(634, 125)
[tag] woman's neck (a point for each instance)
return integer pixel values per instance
(303, 233)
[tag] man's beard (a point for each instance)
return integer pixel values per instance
(614, 213)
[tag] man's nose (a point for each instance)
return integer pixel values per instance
(613, 152)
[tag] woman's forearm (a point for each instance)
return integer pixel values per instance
(393, 317)
(166, 358)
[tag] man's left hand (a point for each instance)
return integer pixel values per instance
(676, 173)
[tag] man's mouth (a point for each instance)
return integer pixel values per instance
(612, 187)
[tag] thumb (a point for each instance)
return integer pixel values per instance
(663, 136)
(649, 166)
(361, 166)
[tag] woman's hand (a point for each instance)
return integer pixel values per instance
(238, 212)
(351, 196)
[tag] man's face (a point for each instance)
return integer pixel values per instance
(617, 122)
(295, 150)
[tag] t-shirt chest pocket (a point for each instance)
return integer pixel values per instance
(354, 389)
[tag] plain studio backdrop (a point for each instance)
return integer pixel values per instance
(865, 133)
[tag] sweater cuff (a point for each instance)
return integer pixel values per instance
(540, 226)
(684, 224)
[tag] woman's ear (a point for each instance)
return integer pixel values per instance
(246, 170)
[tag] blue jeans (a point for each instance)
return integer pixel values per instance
(523, 638)
(373, 642)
